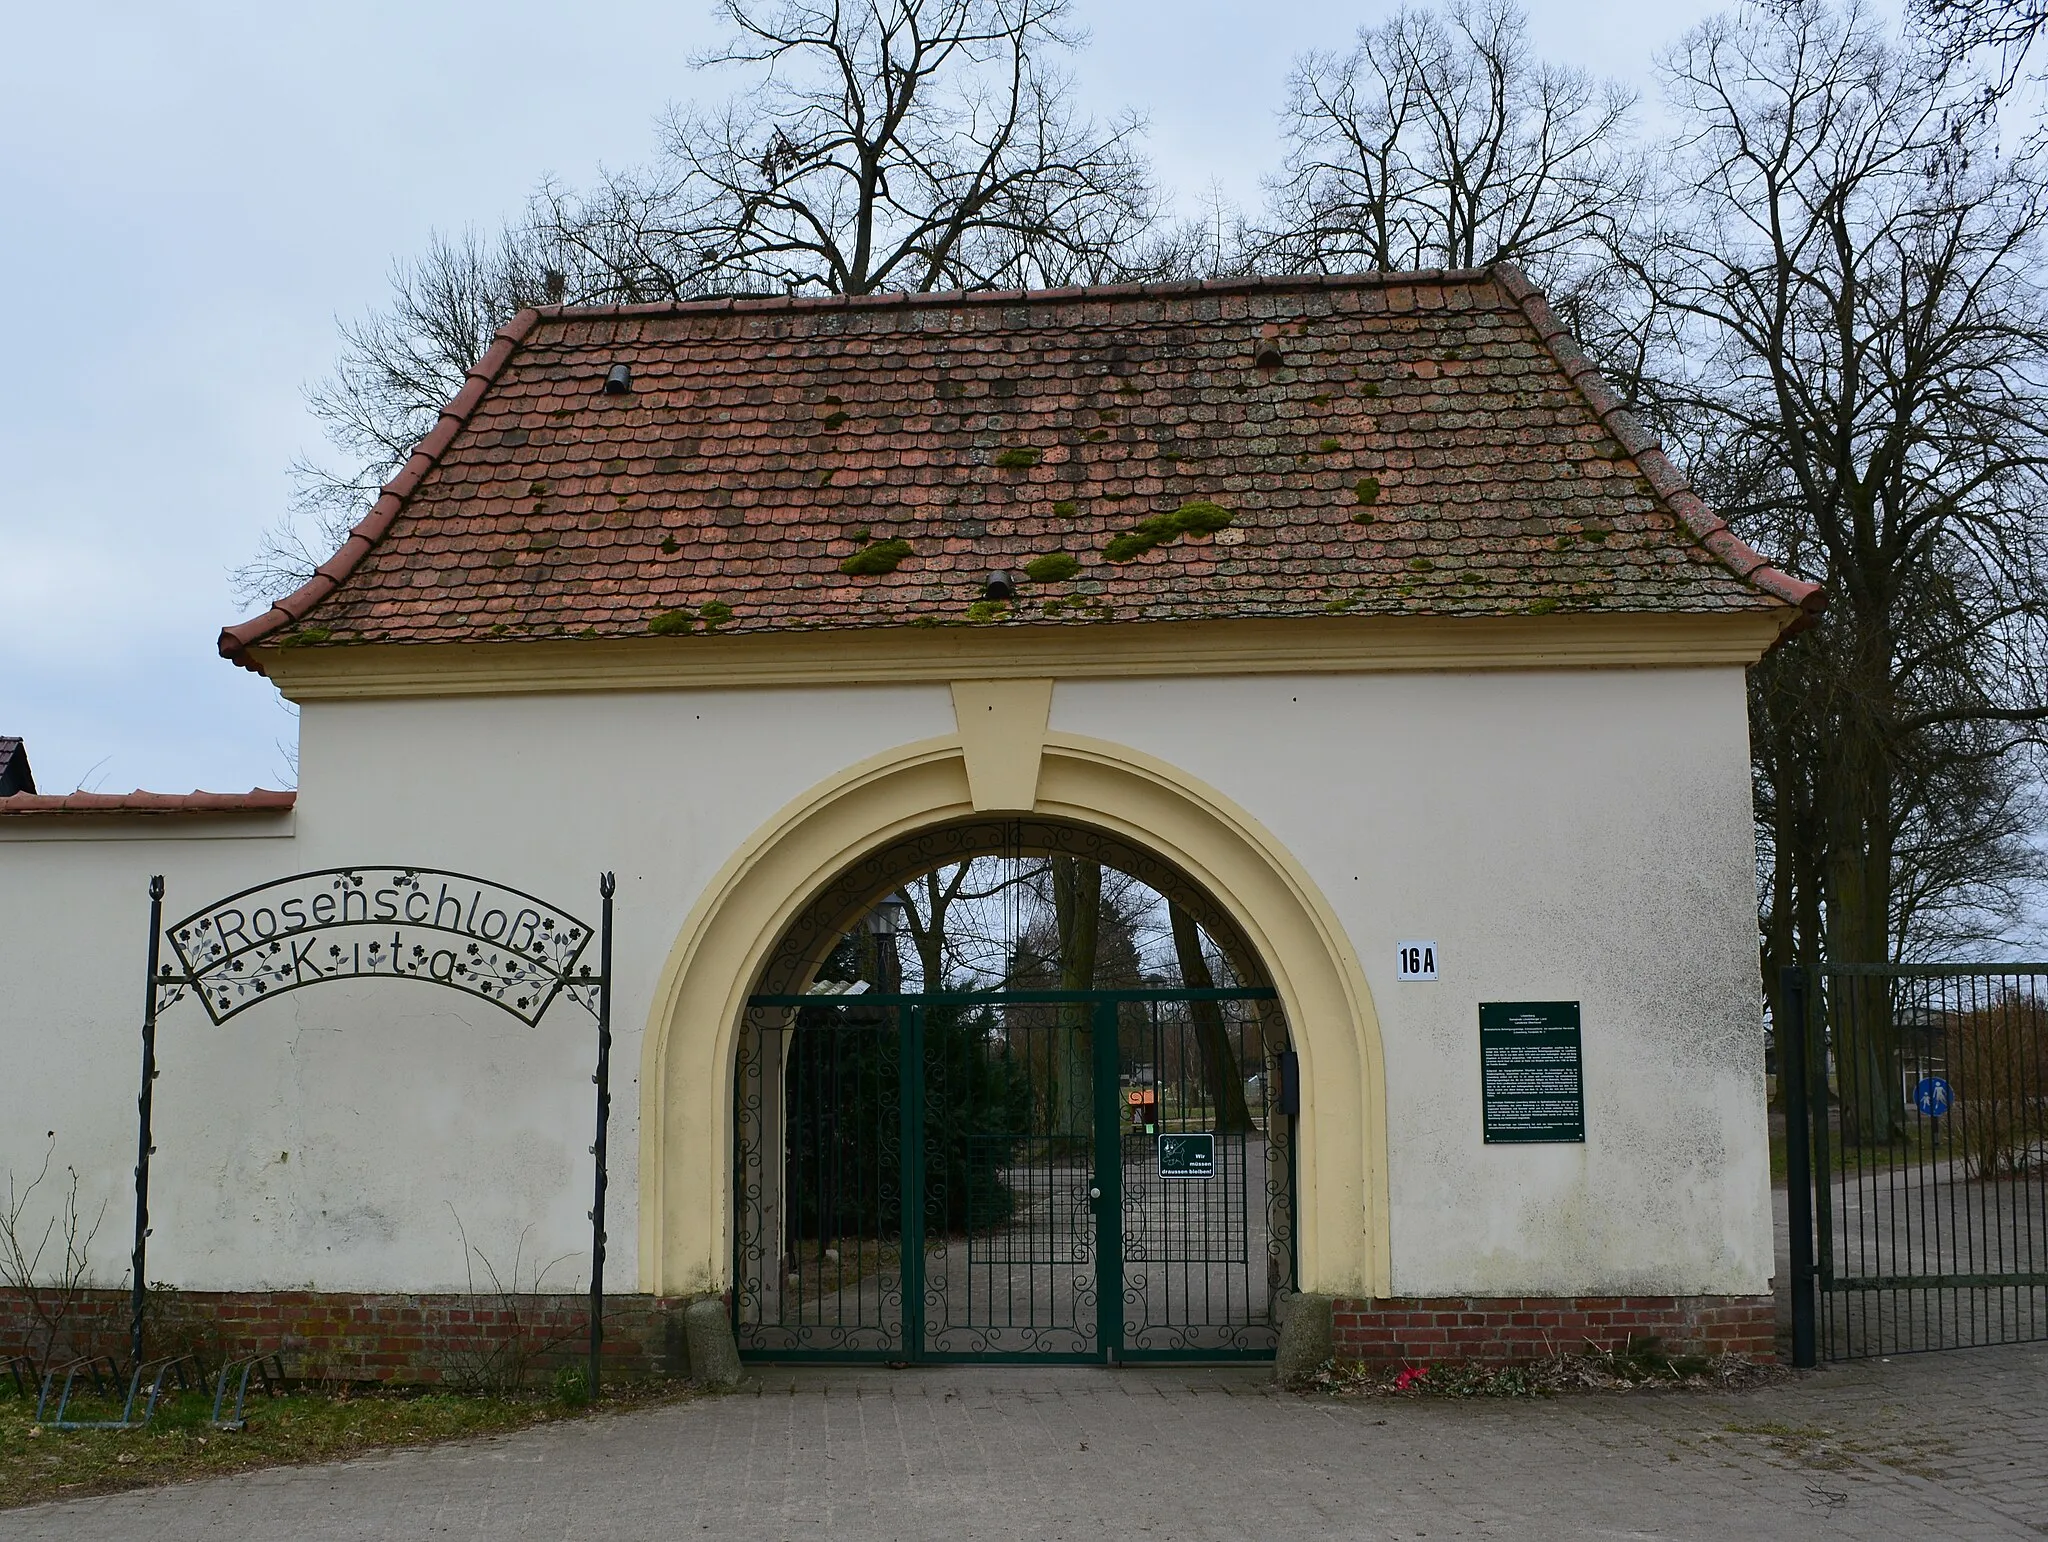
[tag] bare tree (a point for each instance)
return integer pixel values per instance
(52, 1296)
(1221, 1074)
(890, 144)
(876, 145)
(947, 913)
(1849, 285)
(1439, 141)
(398, 368)
(2004, 31)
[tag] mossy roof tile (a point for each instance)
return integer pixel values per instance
(769, 439)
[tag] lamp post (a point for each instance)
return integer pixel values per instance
(885, 925)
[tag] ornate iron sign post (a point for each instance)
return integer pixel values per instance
(462, 933)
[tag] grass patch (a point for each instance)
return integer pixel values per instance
(1917, 1147)
(38, 1464)
(842, 1266)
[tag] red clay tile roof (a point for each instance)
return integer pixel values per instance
(1427, 443)
(258, 800)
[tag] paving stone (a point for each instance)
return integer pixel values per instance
(1939, 1446)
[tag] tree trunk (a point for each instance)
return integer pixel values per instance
(1859, 932)
(928, 931)
(1077, 912)
(1221, 1074)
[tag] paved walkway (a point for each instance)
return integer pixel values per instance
(1947, 1446)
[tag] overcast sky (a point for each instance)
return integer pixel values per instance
(192, 193)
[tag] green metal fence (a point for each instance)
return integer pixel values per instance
(1917, 1104)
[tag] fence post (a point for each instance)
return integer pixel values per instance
(1792, 1096)
(606, 886)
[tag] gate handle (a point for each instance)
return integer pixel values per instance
(1095, 1193)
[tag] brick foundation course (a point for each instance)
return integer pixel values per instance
(399, 1338)
(437, 1339)
(1502, 1329)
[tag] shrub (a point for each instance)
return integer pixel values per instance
(572, 1386)
(977, 1097)
(1998, 1063)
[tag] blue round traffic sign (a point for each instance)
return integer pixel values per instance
(1933, 1097)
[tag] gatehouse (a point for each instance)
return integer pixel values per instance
(1145, 821)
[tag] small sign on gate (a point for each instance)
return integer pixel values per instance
(1187, 1156)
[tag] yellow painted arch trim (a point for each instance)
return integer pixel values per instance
(687, 1061)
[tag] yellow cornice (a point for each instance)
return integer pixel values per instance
(896, 655)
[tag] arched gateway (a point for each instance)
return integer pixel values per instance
(775, 912)
(1349, 616)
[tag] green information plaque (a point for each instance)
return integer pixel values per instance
(1187, 1156)
(1529, 1072)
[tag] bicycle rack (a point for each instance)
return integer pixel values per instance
(269, 1372)
(23, 1370)
(157, 1371)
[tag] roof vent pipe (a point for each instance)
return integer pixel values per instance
(1000, 586)
(619, 381)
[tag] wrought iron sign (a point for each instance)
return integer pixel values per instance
(488, 941)
(502, 945)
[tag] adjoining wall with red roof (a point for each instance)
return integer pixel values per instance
(258, 800)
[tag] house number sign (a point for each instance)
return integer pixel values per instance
(470, 934)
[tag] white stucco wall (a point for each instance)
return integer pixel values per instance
(1561, 835)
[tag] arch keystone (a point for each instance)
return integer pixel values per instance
(1002, 738)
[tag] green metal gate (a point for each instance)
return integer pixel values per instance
(1930, 1231)
(1094, 1176)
